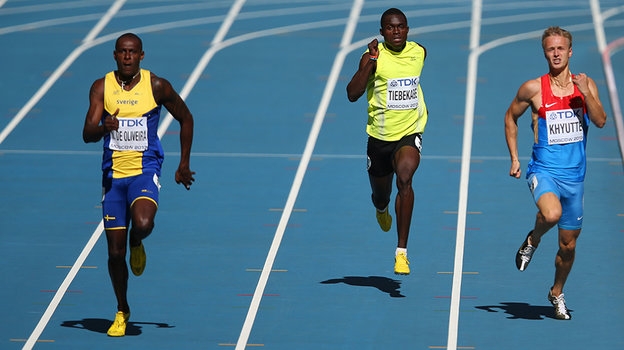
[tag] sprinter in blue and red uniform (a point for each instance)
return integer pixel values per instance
(124, 110)
(562, 105)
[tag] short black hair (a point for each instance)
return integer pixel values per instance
(130, 35)
(392, 11)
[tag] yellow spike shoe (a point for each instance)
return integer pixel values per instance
(384, 219)
(118, 328)
(137, 259)
(401, 264)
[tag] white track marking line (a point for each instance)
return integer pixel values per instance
(51, 7)
(280, 155)
(34, 336)
(471, 87)
(203, 62)
(613, 93)
(605, 51)
(301, 169)
(60, 70)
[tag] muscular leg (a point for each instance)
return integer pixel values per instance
(382, 188)
(565, 258)
(143, 212)
(548, 216)
(117, 268)
(406, 161)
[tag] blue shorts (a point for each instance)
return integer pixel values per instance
(118, 195)
(570, 194)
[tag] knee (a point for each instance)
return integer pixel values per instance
(567, 246)
(567, 249)
(116, 254)
(551, 216)
(404, 182)
(142, 227)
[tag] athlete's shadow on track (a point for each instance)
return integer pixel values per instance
(100, 325)
(384, 284)
(522, 311)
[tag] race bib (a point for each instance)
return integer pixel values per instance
(402, 93)
(131, 135)
(564, 126)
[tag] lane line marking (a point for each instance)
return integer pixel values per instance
(273, 270)
(231, 344)
(305, 160)
(303, 210)
(606, 51)
(39, 340)
(32, 339)
(471, 85)
(82, 267)
(60, 70)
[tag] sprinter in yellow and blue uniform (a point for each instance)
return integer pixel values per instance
(124, 110)
(397, 115)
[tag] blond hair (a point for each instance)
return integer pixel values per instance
(555, 30)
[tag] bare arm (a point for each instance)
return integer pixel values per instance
(165, 95)
(92, 130)
(520, 103)
(357, 85)
(588, 88)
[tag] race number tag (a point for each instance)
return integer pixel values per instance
(402, 93)
(131, 135)
(564, 126)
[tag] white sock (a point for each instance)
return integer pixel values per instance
(404, 250)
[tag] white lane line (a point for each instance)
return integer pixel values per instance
(613, 93)
(34, 336)
(605, 51)
(2, 2)
(471, 87)
(51, 7)
(277, 155)
(204, 60)
(60, 70)
(301, 169)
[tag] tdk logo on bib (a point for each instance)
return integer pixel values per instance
(130, 123)
(402, 93)
(404, 82)
(564, 114)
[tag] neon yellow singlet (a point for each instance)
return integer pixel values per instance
(127, 153)
(396, 106)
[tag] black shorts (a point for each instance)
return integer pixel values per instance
(381, 153)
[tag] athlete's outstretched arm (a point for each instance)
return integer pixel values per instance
(518, 106)
(165, 95)
(93, 131)
(357, 85)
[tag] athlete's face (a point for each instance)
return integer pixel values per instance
(394, 30)
(128, 55)
(557, 51)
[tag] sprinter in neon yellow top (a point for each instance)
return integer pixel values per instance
(397, 115)
(396, 106)
(124, 108)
